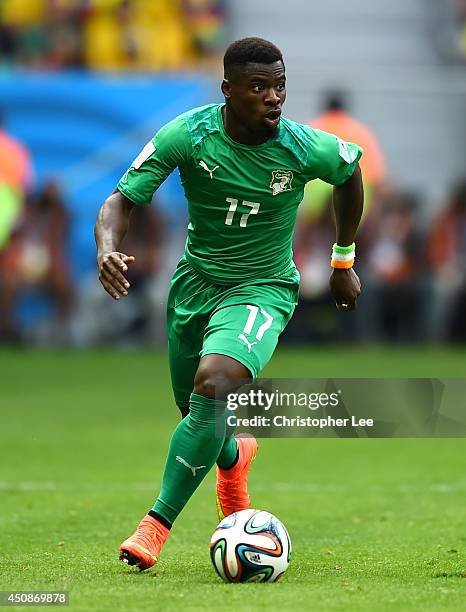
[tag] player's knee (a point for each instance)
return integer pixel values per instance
(208, 382)
(214, 383)
(218, 375)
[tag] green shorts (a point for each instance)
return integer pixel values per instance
(242, 321)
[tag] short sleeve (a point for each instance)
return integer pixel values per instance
(169, 148)
(331, 159)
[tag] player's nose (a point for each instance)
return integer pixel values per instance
(271, 97)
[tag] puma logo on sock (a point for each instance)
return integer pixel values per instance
(185, 463)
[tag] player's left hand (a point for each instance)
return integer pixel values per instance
(345, 287)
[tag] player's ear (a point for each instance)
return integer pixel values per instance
(226, 88)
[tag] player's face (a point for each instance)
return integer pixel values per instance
(256, 94)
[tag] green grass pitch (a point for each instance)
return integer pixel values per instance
(375, 524)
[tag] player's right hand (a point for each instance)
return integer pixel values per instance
(345, 287)
(112, 267)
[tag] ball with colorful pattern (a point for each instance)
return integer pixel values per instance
(250, 546)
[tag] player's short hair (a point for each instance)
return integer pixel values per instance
(250, 50)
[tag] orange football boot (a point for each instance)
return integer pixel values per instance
(232, 484)
(144, 546)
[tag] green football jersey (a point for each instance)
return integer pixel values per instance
(242, 199)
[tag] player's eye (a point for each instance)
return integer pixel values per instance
(281, 87)
(257, 88)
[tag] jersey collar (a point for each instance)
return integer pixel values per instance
(239, 145)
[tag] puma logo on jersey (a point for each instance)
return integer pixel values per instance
(205, 167)
(192, 468)
(244, 339)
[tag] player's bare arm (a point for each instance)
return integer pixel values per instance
(348, 206)
(110, 229)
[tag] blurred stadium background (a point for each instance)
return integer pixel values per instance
(376, 524)
(85, 83)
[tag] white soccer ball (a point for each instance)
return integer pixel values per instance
(250, 546)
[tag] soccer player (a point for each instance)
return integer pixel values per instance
(243, 167)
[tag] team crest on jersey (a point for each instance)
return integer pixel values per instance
(281, 181)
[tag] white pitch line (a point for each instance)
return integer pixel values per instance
(31, 485)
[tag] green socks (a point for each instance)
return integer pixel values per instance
(228, 453)
(195, 445)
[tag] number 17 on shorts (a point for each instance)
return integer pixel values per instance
(247, 331)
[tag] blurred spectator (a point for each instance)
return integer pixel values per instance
(15, 182)
(135, 319)
(315, 319)
(316, 315)
(393, 290)
(450, 29)
(63, 30)
(136, 34)
(337, 120)
(41, 34)
(206, 20)
(35, 259)
(459, 28)
(146, 241)
(447, 255)
(111, 34)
